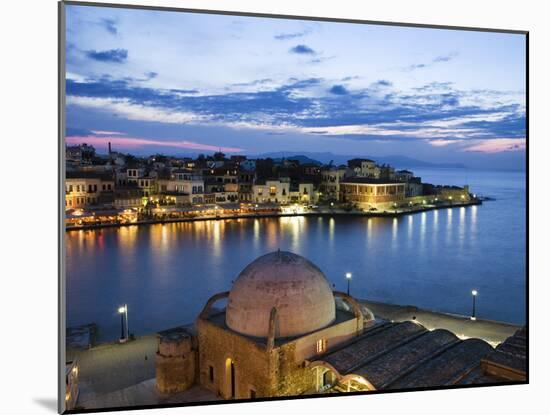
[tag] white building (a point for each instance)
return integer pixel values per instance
(273, 191)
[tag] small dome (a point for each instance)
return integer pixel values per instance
(296, 287)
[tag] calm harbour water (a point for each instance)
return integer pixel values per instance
(165, 273)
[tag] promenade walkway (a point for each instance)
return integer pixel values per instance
(493, 332)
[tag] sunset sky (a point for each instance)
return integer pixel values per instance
(184, 83)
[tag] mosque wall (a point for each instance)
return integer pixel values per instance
(252, 364)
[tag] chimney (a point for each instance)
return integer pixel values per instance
(109, 148)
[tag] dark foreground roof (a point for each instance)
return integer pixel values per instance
(407, 355)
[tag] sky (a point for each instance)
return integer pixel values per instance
(186, 83)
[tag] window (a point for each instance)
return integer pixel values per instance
(272, 190)
(321, 346)
(211, 374)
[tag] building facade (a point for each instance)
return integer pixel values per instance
(371, 193)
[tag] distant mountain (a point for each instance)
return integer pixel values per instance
(401, 162)
(279, 156)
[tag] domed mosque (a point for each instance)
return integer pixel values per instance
(284, 331)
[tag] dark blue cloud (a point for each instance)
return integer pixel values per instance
(383, 82)
(77, 131)
(112, 55)
(434, 86)
(287, 36)
(437, 59)
(302, 50)
(416, 66)
(254, 83)
(445, 58)
(338, 90)
(284, 105)
(109, 25)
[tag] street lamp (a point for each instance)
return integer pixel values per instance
(123, 311)
(474, 295)
(348, 277)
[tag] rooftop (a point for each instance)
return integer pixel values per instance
(407, 355)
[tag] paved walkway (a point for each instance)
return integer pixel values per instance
(112, 366)
(493, 332)
(144, 393)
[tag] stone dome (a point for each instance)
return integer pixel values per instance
(296, 287)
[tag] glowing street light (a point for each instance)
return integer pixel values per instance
(474, 295)
(123, 311)
(348, 277)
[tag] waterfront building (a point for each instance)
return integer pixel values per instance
(331, 176)
(272, 191)
(364, 168)
(78, 155)
(248, 165)
(85, 189)
(303, 193)
(282, 331)
(368, 193)
(181, 187)
(386, 172)
(404, 175)
(128, 198)
(246, 180)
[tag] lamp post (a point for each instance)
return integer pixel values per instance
(474, 295)
(348, 277)
(123, 311)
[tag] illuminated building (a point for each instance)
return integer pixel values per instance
(369, 193)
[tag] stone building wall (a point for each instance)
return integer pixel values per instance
(253, 365)
(176, 364)
(279, 372)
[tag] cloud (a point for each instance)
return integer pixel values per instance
(338, 90)
(137, 142)
(287, 36)
(302, 50)
(318, 106)
(445, 58)
(383, 82)
(133, 111)
(437, 59)
(109, 25)
(443, 143)
(102, 132)
(112, 55)
(498, 145)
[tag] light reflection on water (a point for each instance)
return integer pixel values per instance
(432, 259)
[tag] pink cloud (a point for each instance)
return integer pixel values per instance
(134, 143)
(101, 132)
(497, 145)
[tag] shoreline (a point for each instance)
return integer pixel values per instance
(324, 212)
